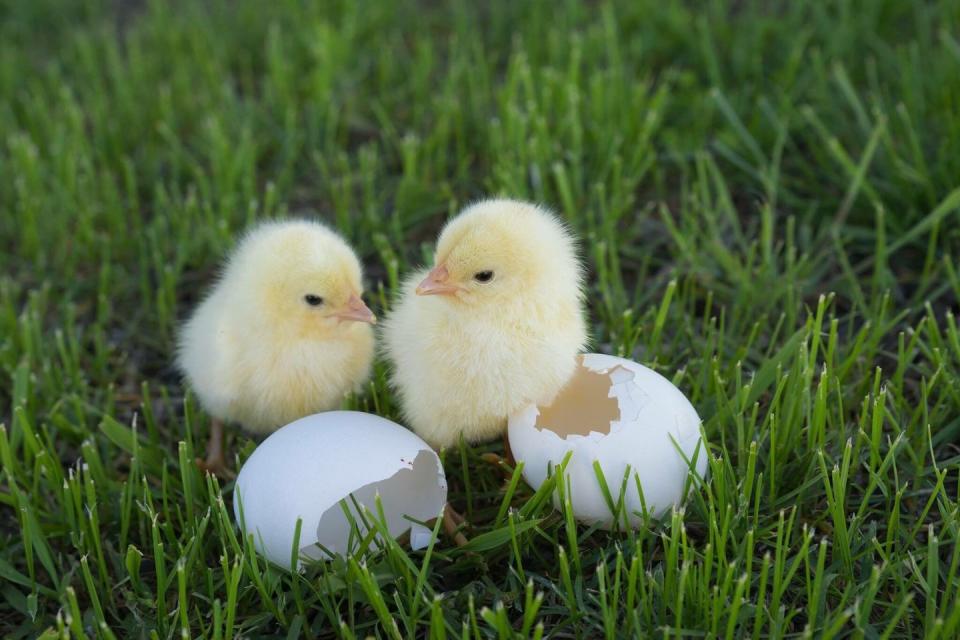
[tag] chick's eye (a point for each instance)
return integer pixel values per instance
(483, 276)
(313, 300)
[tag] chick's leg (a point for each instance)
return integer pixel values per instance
(452, 521)
(508, 451)
(215, 462)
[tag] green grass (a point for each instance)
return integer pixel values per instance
(769, 198)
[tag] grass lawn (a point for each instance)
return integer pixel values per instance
(769, 199)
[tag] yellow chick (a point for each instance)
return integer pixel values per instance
(283, 334)
(495, 325)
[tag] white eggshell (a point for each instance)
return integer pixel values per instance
(655, 421)
(306, 468)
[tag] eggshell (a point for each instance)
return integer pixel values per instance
(306, 468)
(650, 421)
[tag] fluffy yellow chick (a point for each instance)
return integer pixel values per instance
(282, 335)
(495, 325)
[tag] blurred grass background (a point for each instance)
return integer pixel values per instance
(768, 196)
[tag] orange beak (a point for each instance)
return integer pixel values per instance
(435, 284)
(356, 311)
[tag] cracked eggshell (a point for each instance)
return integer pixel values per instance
(618, 413)
(305, 469)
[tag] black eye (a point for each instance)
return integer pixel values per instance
(483, 276)
(313, 300)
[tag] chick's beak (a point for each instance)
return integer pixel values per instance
(355, 310)
(436, 283)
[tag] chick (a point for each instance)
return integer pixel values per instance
(495, 325)
(283, 334)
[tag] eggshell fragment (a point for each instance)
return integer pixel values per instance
(623, 416)
(306, 468)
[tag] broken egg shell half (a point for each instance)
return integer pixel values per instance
(620, 414)
(304, 470)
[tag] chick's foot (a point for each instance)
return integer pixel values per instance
(506, 463)
(216, 466)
